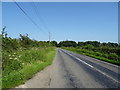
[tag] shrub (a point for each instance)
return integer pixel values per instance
(105, 55)
(88, 47)
(98, 54)
(113, 56)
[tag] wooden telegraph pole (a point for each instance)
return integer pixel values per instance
(49, 38)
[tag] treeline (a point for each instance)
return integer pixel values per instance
(25, 42)
(105, 51)
(11, 44)
(95, 46)
(80, 44)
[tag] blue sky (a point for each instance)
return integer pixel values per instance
(78, 21)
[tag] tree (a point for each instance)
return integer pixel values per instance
(8, 43)
(81, 44)
(67, 44)
(89, 46)
(25, 41)
(94, 43)
(54, 43)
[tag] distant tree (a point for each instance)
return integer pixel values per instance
(89, 46)
(54, 43)
(109, 44)
(112, 44)
(81, 44)
(94, 43)
(68, 43)
(103, 44)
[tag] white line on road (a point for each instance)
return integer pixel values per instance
(83, 61)
(98, 60)
(92, 67)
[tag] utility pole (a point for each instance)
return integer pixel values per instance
(49, 38)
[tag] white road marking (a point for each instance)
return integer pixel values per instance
(84, 62)
(92, 67)
(98, 61)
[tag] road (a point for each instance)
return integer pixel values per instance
(72, 70)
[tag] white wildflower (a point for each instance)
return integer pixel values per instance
(10, 58)
(19, 56)
(15, 58)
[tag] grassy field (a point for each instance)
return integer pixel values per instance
(111, 57)
(21, 65)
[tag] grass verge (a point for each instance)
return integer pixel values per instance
(19, 70)
(94, 55)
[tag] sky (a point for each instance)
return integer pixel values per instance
(78, 21)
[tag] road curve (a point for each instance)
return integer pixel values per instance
(72, 70)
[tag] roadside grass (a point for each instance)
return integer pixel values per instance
(24, 64)
(97, 55)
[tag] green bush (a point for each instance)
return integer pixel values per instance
(113, 56)
(88, 47)
(98, 54)
(22, 65)
(105, 55)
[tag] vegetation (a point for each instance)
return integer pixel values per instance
(21, 65)
(22, 58)
(104, 51)
(90, 43)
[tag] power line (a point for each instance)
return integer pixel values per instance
(27, 15)
(38, 15)
(40, 18)
(30, 17)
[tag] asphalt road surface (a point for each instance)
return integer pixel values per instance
(72, 70)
